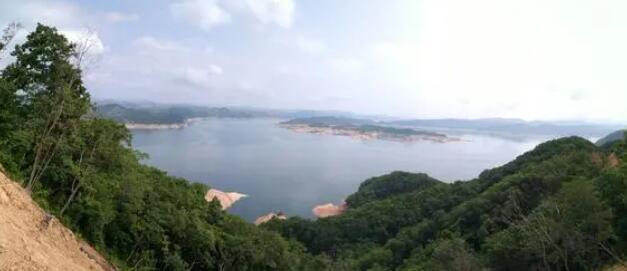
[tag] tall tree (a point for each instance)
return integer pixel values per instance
(8, 111)
(50, 91)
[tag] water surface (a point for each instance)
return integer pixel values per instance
(291, 172)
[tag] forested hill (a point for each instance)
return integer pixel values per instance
(611, 138)
(164, 114)
(82, 170)
(559, 207)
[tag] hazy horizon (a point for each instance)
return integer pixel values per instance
(139, 102)
(553, 60)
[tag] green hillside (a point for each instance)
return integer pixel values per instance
(561, 206)
(500, 220)
(611, 138)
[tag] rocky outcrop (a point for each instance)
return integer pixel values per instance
(329, 209)
(226, 199)
(265, 218)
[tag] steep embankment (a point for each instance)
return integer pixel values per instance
(27, 243)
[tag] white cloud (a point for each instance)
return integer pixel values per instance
(169, 61)
(205, 14)
(85, 38)
(530, 55)
(309, 45)
(69, 19)
(346, 65)
(395, 52)
(279, 12)
(198, 76)
(215, 69)
(149, 45)
(118, 17)
(60, 14)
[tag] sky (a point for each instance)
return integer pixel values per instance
(532, 59)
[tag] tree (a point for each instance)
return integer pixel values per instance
(51, 93)
(445, 254)
(571, 231)
(93, 148)
(8, 111)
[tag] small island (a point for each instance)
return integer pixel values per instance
(361, 129)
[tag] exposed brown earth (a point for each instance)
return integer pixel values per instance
(226, 199)
(32, 240)
(613, 161)
(265, 218)
(329, 209)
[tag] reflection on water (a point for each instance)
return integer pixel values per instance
(291, 172)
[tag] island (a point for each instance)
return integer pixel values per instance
(361, 129)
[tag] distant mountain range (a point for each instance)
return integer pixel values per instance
(513, 126)
(144, 112)
(330, 120)
(152, 113)
(494, 126)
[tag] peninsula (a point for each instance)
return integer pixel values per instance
(162, 117)
(361, 129)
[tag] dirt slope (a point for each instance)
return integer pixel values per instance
(27, 244)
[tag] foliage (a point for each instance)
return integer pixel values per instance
(494, 221)
(395, 183)
(444, 254)
(570, 231)
(83, 170)
(561, 206)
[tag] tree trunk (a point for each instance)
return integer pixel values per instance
(69, 200)
(29, 185)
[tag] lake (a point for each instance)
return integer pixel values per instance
(285, 171)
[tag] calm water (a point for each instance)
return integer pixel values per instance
(291, 172)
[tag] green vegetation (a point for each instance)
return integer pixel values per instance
(83, 170)
(558, 207)
(562, 206)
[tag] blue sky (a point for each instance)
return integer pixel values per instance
(536, 59)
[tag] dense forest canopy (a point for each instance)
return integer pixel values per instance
(561, 206)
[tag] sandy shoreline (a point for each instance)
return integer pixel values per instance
(360, 135)
(155, 126)
(146, 126)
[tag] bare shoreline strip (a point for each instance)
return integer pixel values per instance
(158, 126)
(366, 135)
